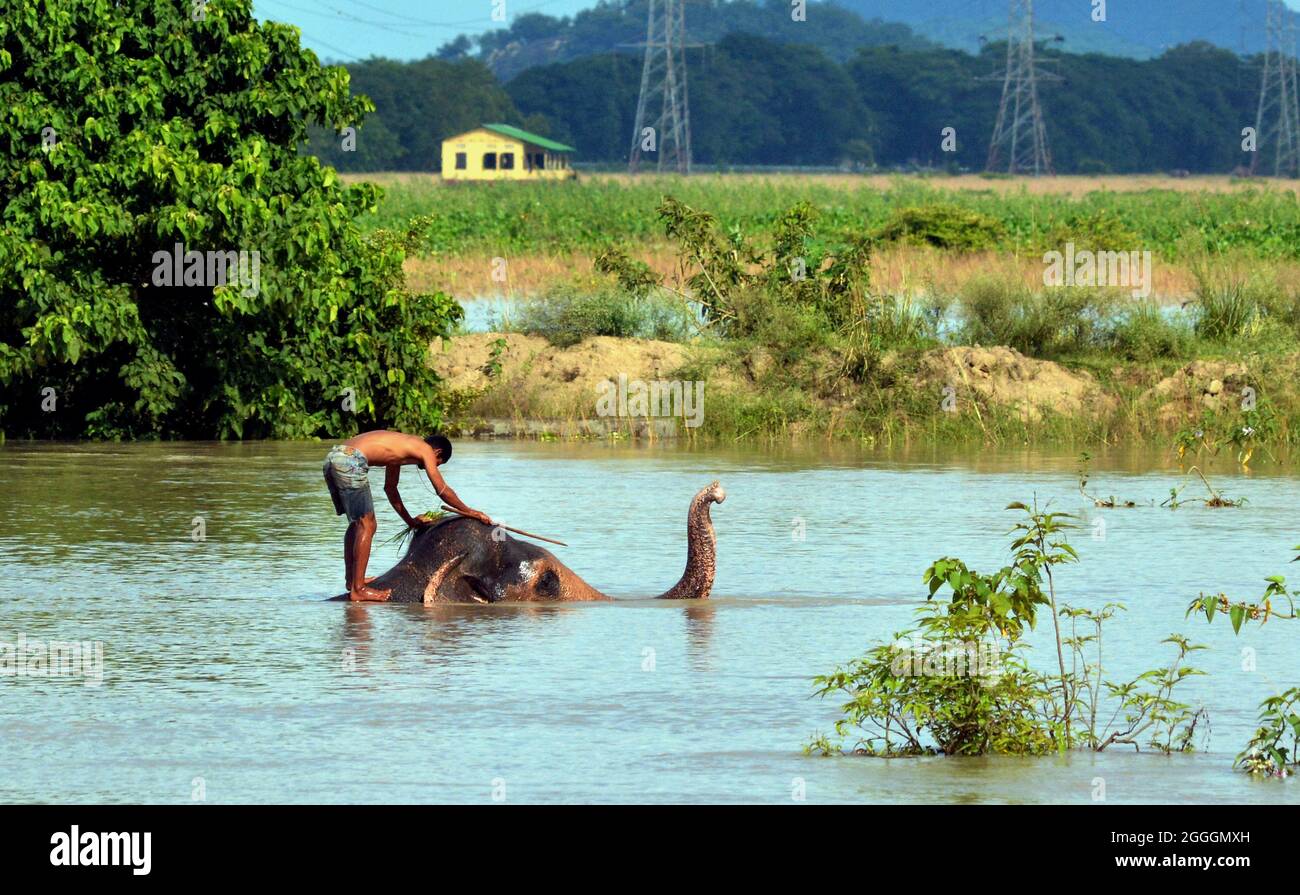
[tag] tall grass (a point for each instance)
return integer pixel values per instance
(1251, 306)
(1071, 322)
(1040, 324)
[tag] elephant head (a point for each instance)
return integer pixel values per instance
(464, 561)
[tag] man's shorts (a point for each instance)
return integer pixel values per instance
(347, 477)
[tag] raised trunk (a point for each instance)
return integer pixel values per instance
(701, 548)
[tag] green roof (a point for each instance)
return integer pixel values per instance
(524, 135)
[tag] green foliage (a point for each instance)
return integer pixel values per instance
(1050, 323)
(960, 683)
(1267, 753)
(1144, 332)
(1274, 750)
(942, 226)
(171, 130)
(592, 215)
(568, 315)
(1252, 307)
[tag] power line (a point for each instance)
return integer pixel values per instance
(317, 40)
(663, 80)
(1019, 138)
(1277, 119)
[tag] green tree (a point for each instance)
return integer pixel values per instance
(129, 127)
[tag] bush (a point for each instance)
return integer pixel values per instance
(129, 128)
(959, 683)
(944, 226)
(1232, 305)
(1039, 324)
(1145, 332)
(1100, 230)
(569, 315)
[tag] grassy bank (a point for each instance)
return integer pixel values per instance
(793, 338)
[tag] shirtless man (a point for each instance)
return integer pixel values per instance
(346, 474)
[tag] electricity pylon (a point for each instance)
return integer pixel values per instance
(662, 104)
(1277, 121)
(1019, 142)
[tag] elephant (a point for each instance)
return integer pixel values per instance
(460, 560)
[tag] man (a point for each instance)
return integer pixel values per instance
(346, 471)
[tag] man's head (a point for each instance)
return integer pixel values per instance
(441, 445)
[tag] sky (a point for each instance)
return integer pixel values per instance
(343, 30)
(346, 30)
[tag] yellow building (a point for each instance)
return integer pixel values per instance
(502, 152)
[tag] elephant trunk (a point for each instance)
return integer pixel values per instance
(701, 548)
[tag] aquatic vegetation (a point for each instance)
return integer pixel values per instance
(784, 322)
(1267, 753)
(403, 537)
(1085, 459)
(1215, 499)
(960, 683)
(1144, 706)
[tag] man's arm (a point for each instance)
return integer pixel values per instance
(390, 491)
(444, 491)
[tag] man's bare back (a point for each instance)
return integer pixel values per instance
(346, 470)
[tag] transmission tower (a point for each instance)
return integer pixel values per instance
(662, 104)
(1019, 142)
(1277, 122)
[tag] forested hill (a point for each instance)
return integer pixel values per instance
(537, 39)
(757, 101)
(1140, 28)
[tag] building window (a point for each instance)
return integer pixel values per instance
(507, 161)
(462, 160)
(489, 161)
(539, 161)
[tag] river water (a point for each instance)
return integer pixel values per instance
(203, 570)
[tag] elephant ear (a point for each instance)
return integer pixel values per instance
(439, 576)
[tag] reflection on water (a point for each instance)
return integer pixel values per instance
(223, 661)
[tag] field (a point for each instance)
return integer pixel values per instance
(550, 232)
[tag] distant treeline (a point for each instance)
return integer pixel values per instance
(757, 102)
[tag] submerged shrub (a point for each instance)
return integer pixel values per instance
(959, 682)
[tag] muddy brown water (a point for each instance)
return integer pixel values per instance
(226, 675)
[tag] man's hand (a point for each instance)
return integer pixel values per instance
(420, 521)
(481, 517)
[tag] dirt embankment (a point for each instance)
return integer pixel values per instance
(540, 389)
(1004, 377)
